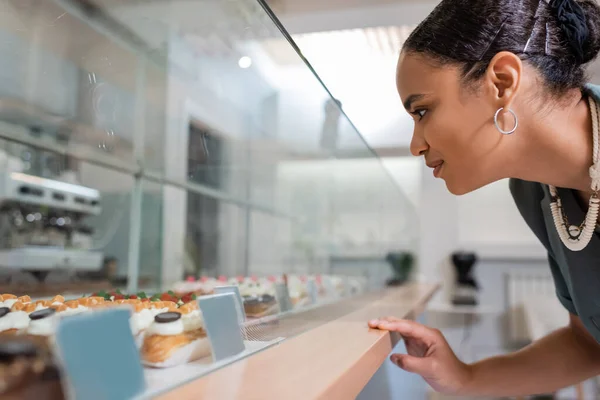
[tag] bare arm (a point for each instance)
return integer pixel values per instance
(565, 357)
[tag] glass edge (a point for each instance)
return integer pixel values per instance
(279, 25)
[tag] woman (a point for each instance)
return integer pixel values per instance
(497, 90)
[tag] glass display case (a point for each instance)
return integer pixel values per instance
(175, 146)
(213, 146)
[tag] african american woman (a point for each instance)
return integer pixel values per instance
(497, 89)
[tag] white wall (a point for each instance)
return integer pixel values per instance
(485, 221)
(490, 223)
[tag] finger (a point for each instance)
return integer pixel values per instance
(391, 319)
(412, 364)
(375, 322)
(409, 329)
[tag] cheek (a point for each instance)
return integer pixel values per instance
(465, 141)
(447, 135)
(461, 134)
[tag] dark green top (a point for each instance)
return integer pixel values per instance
(576, 273)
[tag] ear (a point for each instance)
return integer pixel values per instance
(504, 75)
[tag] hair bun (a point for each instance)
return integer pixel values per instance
(591, 46)
(573, 23)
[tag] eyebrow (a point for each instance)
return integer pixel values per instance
(411, 99)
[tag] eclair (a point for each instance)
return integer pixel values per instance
(16, 318)
(42, 327)
(70, 307)
(172, 331)
(8, 300)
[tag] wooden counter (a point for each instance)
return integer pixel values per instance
(335, 360)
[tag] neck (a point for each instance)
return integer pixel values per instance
(559, 150)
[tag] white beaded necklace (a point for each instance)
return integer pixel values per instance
(574, 237)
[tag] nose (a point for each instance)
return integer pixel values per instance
(418, 145)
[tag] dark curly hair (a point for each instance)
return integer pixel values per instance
(558, 37)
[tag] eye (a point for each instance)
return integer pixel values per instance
(419, 113)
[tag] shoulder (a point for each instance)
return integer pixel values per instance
(592, 90)
(528, 197)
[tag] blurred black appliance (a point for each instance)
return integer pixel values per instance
(465, 287)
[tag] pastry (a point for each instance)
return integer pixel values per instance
(57, 300)
(170, 333)
(259, 297)
(270, 281)
(298, 290)
(191, 317)
(15, 319)
(190, 285)
(158, 307)
(8, 300)
(26, 307)
(41, 304)
(208, 285)
(259, 305)
(141, 318)
(42, 326)
(337, 283)
(70, 307)
(90, 301)
(232, 282)
(7, 322)
(27, 373)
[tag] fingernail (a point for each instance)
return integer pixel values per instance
(374, 322)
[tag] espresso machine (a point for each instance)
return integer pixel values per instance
(42, 225)
(465, 289)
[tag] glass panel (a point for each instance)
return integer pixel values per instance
(151, 235)
(77, 217)
(246, 163)
(269, 245)
(112, 226)
(215, 238)
(75, 81)
(183, 138)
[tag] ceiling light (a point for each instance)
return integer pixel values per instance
(245, 62)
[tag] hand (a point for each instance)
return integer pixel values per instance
(429, 355)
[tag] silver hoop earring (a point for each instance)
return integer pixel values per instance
(498, 126)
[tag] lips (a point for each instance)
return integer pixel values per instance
(436, 166)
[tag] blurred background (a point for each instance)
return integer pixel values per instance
(145, 141)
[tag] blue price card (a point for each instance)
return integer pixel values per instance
(283, 297)
(313, 291)
(99, 356)
(222, 325)
(239, 302)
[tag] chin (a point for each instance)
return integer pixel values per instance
(457, 189)
(464, 187)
